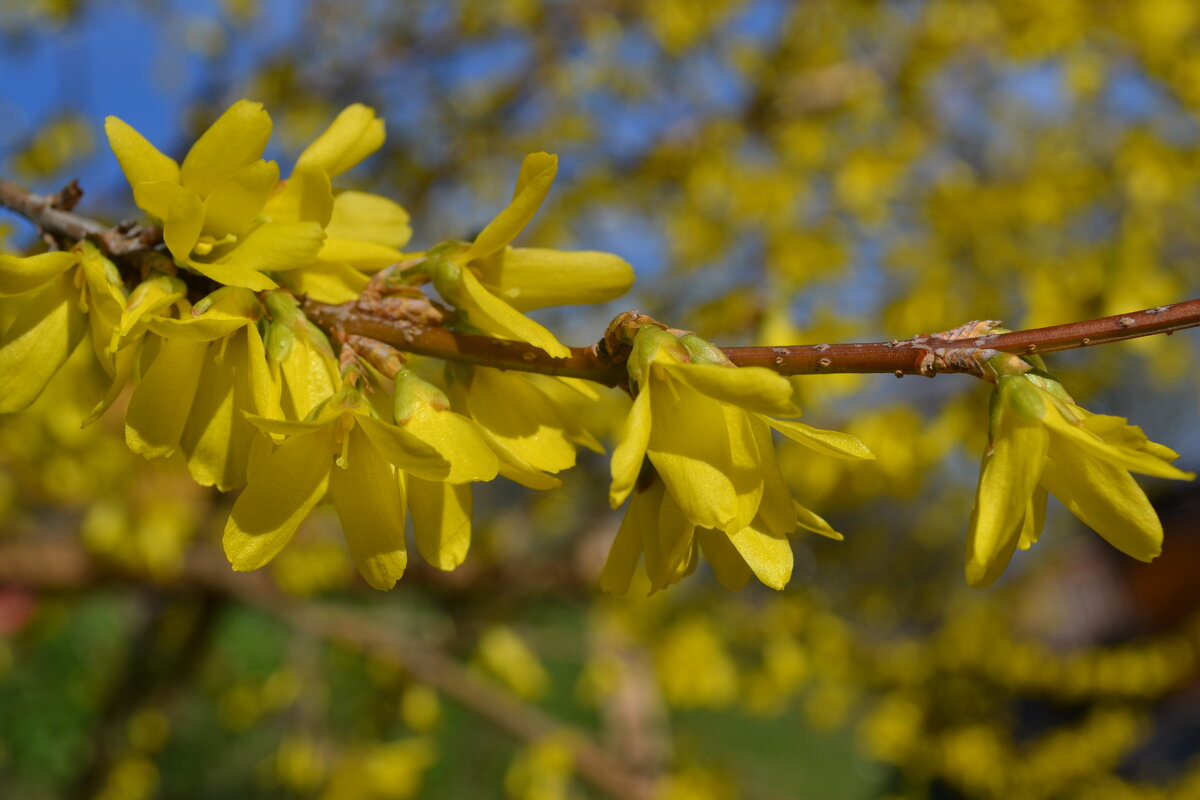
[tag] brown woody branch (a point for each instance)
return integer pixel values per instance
(408, 331)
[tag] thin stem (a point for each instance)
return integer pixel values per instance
(400, 324)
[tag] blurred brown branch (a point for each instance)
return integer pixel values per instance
(61, 565)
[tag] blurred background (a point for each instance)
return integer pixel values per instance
(777, 173)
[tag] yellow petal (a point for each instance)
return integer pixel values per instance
(640, 517)
(676, 539)
(1035, 518)
(218, 439)
(1010, 471)
(369, 218)
(768, 554)
(521, 419)
(326, 282)
(1105, 498)
(364, 256)
(629, 453)
(353, 135)
(441, 514)
(1123, 457)
(309, 378)
(404, 450)
(689, 446)
(140, 161)
(275, 246)
(237, 138)
(529, 278)
(811, 521)
(184, 220)
(523, 473)
(233, 206)
(21, 275)
(752, 388)
(727, 563)
(370, 504)
(160, 404)
(305, 196)
(458, 440)
(533, 183)
(281, 495)
(776, 510)
(747, 468)
(46, 331)
(123, 366)
(831, 443)
(494, 316)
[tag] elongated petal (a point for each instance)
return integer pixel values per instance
(292, 427)
(1124, 457)
(811, 521)
(441, 515)
(305, 196)
(1010, 471)
(353, 135)
(628, 455)
(768, 554)
(124, 363)
(281, 495)
(370, 504)
(233, 206)
(361, 255)
(309, 378)
(747, 470)
(675, 540)
(326, 282)
(727, 563)
(21, 275)
(237, 138)
(832, 443)
(207, 327)
(183, 223)
(46, 331)
(537, 173)
(776, 509)
(497, 317)
(459, 441)
(160, 404)
(752, 388)
(369, 218)
(1035, 518)
(218, 439)
(157, 197)
(640, 517)
(529, 278)
(1105, 498)
(404, 450)
(140, 161)
(233, 273)
(275, 246)
(522, 472)
(521, 418)
(689, 446)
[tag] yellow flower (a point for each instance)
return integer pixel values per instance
(527, 429)
(369, 468)
(363, 231)
(210, 205)
(703, 425)
(210, 370)
(1039, 442)
(64, 293)
(494, 283)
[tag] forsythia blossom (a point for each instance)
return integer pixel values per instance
(1039, 441)
(704, 426)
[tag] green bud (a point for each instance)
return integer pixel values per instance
(413, 393)
(703, 351)
(1020, 396)
(653, 344)
(279, 342)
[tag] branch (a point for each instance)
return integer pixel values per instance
(64, 226)
(921, 355)
(59, 565)
(406, 330)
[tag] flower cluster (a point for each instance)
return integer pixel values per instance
(222, 366)
(1039, 442)
(697, 454)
